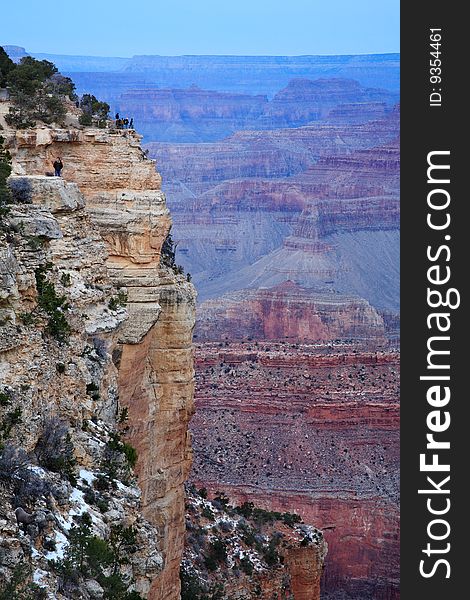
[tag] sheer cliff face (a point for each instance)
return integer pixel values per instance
(57, 374)
(153, 353)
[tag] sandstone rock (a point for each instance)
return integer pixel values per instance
(11, 552)
(8, 271)
(35, 223)
(86, 263)
(293, 571)
(200, 115)
(50, 192)
(155, 377)
(105, 321)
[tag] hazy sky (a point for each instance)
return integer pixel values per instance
(172, 27)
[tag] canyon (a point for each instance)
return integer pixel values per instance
(291, 235)
(313, 204)
(283, 188)
(198, 115)
(202, 98)
(107, 77)
(113, 372)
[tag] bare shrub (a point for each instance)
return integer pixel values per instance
(54, 449)
(13, 461)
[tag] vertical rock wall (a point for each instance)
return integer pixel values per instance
(154, 356)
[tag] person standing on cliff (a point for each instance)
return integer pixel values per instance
(131, 124)
(58, 166)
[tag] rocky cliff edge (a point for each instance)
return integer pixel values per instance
(96, 367)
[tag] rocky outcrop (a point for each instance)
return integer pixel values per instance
(310, 426)
(152, 350)
(247, 552)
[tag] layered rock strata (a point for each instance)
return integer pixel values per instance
(197, 115)
(312, 426)
(59, 330)
(312, 205)
(107, 78)
(288, 312)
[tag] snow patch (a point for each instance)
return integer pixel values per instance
(39, 575)
(128, 491)
(61, 543)
(87, 476)
(37, 470)
(77, 497)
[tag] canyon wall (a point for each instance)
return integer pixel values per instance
(107, 77)
(313, 205)
(190, 115)
(311, 427)
(60, 399)
(153, 355)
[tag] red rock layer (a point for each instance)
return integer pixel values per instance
(311, 428)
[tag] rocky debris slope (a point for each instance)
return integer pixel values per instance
(245, 552)
(313, 426)
(100, 251)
